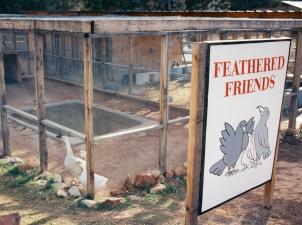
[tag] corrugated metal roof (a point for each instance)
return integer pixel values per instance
(297, 4)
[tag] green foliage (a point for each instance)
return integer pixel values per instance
(18, 6)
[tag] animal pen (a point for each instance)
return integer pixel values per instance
(127, 77)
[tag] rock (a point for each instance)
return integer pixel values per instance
(111, 202)
(169, 174)
(61, 194)
(118, 192)
(134, 198)
(144, 179)
(161, 179)
(42, 183)
(11, 219)
(58, 186)
(23, 168)
(45, 176)
(88, 203)
(74, 191)
(155, 173)
(57, 178)
(180, 171)
(185, 165)
(13, 160)
(82, 190)
(127, 183)
(158, 188)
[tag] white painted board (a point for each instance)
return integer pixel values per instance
(245, 85)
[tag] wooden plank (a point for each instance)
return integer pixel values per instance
(21, 113)
(88, 89)
(63, 129)
(296, 85)
(131, 61)
(31, 50)
(163, 102)
(270, 186)
(195, 132)
(103, 59)
(40, 98)
(128, 132)
(155, 24)
(3, 112)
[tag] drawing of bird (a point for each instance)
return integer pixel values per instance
(248, 155)
(72, 163)
(261, 134)
(231, 146)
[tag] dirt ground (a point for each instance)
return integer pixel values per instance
(36, 208)
(116, 158)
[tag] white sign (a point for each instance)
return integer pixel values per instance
(245, 85)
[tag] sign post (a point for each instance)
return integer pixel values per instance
(236, 100)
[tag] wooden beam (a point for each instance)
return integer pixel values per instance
(270, 186)
(163, 102)
(3, 112)
(88, 89)
(195, 132)
(296, 85)
(131, 61)
(40, 98)
(103, 65)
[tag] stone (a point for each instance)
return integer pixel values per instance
(161, 179)
(128, 183)
(57, 178)
(158, 188)
(180, 171)
(23, 168)
(74, 191)
(118, 192)
(185, 165)
(11, 219)
(58, 186)
(45, 176)
(155, 173)
(169, 174)
(88, 203)
(61, 194)
(134, 198)
(111, 202)
(144, 179)
(42, 183)
(82, 189)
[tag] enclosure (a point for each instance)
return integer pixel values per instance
(117, 85)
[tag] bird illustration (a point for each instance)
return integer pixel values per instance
(232, 144)
(72, 163)
(261, 134)
(248, 155)
(99, 181)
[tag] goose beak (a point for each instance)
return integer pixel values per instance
(261, 110)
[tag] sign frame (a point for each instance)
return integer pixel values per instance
(204, 50)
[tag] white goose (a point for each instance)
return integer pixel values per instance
(72, 163)
(99, 181)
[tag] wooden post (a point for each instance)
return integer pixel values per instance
(163, 102)
(31, 50)
(4, 121)
(296, 85)
(39, 80)
(103, 59)
(270, 186)
(88, 87)
(131, 59)
(195, 132)
(68, 52)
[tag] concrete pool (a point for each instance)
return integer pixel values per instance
(71, 114)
